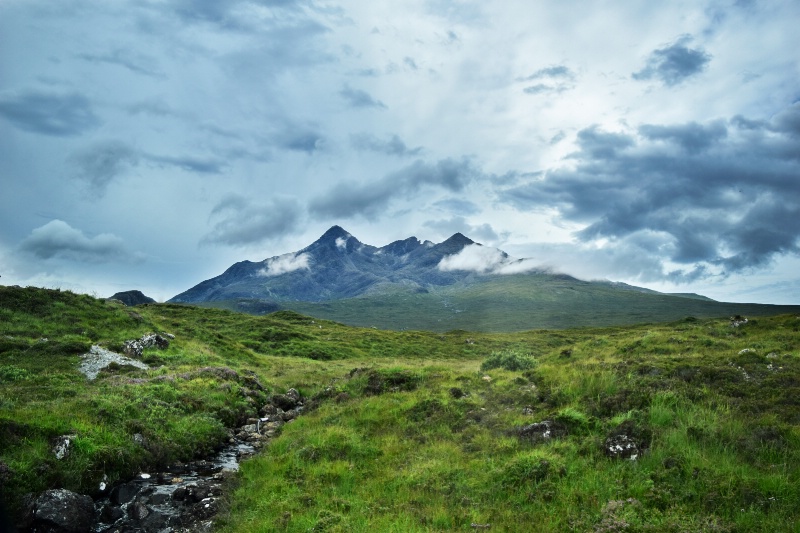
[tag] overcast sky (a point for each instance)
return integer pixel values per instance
(150, 144)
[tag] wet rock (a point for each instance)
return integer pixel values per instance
(63, 511)
(124, 493)
(110, 514)
(138, 510)
(197, 492)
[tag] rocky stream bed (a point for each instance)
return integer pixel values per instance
(181, 498)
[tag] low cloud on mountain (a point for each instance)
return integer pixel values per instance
(484, 260)
(286, 263)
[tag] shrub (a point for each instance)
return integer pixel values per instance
(509, 360)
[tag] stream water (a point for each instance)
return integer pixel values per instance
(182, 498)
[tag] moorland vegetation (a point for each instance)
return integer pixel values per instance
(690, 425)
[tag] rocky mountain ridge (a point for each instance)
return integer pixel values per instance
(337, 266)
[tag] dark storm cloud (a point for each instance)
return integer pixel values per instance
(348, 199)
(391, 146)
(674, 63)
(788, 120)
(59, 240)
(240, 222)
(48, 113)
(101, 163)
(357, 98)
(718, 194)
(691, 137)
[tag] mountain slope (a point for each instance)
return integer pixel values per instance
(456, 284)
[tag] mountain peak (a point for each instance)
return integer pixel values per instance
(335, 232)
(459, 238)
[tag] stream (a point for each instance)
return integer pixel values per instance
(182, 498)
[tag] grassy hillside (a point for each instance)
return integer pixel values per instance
(515, 303)
(419, 431)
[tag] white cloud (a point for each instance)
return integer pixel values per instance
(341, 242)
(485, 260)
(57, 239)
(285, 263)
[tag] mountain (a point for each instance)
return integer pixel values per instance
(455, 284)
(132, 298)
(335, 266)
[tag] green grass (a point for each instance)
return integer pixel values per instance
(413, 430)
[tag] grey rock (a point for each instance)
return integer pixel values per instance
(622, 447)
(63, 510)
(63, 446)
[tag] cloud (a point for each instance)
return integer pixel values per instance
(60, 115)
(299, 138)
(284, 264)
(238, 15)
(692, 137)
(240, 222)
(484, 260)
(554, 79)
(102, 162)
(556, 71)
(187, 163)
(391, 146)
(59, 240)
(712, 198)
(138, 63)
(349, 199)
(458, 224)
(674, 63)
(357, 98)
(458, 205)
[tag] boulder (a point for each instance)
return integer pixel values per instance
(62, 510)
